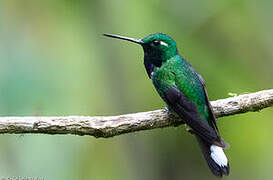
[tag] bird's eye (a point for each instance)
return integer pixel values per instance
(156, 42)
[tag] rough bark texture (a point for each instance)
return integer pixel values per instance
(109, 126)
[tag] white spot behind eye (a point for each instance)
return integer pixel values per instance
(163, 43)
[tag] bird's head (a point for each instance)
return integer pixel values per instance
(158, 48)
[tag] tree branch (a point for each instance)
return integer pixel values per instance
(109, 126)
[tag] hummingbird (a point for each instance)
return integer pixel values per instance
(183, 90)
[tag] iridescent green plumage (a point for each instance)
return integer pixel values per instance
(183, 90)
(177, 71)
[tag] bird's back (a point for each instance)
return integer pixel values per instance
(177, 71)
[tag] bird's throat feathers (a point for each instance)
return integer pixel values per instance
(150, 63)
(156, 59)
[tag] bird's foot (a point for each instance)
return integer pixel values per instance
(189, 130)
(170, 111)
(174, 117)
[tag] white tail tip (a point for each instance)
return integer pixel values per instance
(218, 155)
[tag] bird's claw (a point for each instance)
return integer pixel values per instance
(189, 130)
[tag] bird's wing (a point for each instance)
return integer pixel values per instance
(213, 119)
(187, 110)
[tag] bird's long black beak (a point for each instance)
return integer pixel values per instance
(138, 41)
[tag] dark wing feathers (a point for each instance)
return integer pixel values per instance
(213, 119)
(186, 109)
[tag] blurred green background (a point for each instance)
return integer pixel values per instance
(55, 61)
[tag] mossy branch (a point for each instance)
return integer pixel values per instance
(109, 126)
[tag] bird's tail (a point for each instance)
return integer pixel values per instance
(215, 157)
